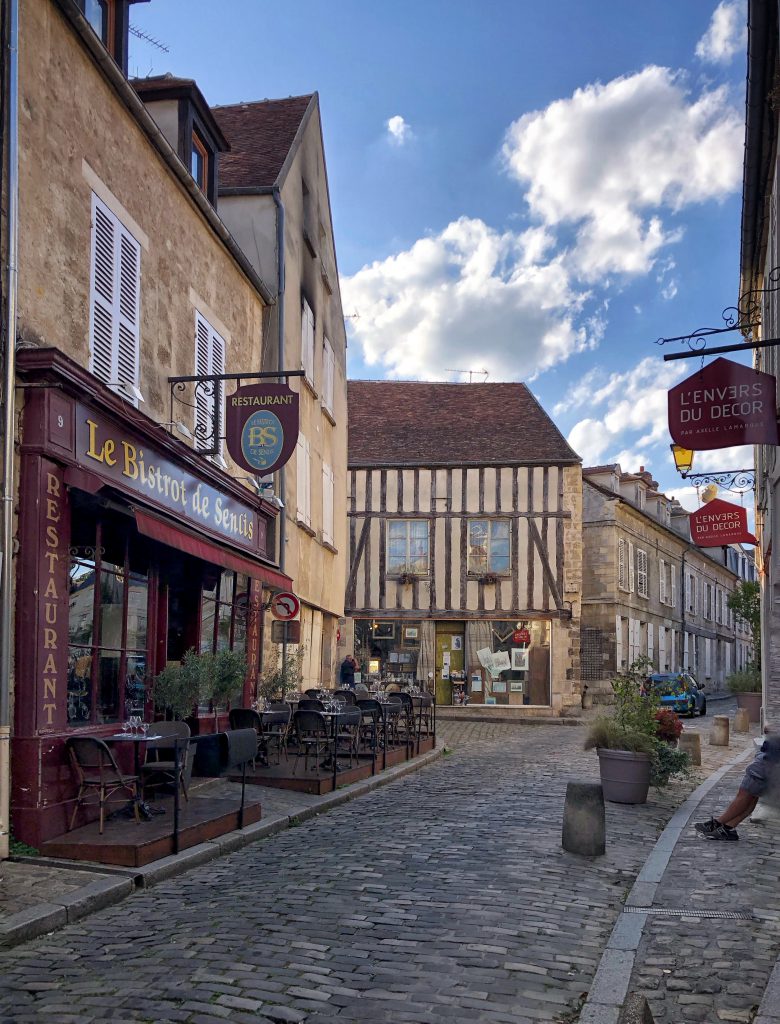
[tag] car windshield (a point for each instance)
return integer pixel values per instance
(669, 687)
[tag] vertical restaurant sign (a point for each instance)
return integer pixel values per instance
(719, 523)
(724, 404)
(261, 426)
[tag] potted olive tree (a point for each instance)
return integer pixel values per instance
(280, 678)
(181, 686)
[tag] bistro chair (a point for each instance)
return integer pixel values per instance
(348, 696)
(310, 704)
(275, 727)
(347, 732)
(95, 768)
(407, 719)
(313, 735)
(393, 710)
(248, 718)
(371, 716)
(160, 763)
(313, 693)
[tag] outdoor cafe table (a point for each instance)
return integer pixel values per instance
(122, 737)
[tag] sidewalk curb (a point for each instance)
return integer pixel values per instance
(609, 988)
(104, 892)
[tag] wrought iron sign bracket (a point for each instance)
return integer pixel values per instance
(740, 346)
(745, 317)
(730, 480)
(211, 386)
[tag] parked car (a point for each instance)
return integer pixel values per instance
(679, 692)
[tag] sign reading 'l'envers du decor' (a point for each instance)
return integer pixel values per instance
(722, 405)
(261, 426)
(719, 523)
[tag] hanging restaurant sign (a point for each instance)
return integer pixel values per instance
(718, 523)
(724, 404)
(261, 426)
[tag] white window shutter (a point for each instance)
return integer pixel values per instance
(115, 301)
(308, 482)
(622, 565)
(631, 567)
(301, 471)
(662, 648)
(661, 586)
(128, 327)
(672, 585)
(618, 641)
(650, 641)
(307, 341)
(708, 657)
(327, 503)
(204, 403)
(328, 373)
(641, 566)
(686, 651)
(673, 650)
(218, 366)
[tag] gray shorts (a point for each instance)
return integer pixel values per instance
(756, 779)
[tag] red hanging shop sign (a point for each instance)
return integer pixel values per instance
(261, 423)
(718, 523)
(724, 404)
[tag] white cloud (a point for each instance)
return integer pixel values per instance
(687, 496)
(632, 428)
(469, 298)
(726, 34)
(609, 159)
(399, 130)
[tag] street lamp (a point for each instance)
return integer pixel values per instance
(683, 459)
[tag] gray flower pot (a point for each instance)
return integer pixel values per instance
(625, 776)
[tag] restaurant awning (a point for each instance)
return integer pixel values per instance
(184, 540)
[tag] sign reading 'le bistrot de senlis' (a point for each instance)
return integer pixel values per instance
(722, 405)
(261, 426)
(718, 523)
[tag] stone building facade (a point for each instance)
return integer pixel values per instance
(647, 590)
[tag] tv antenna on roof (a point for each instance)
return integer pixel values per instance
(140, 34)
(483, 373)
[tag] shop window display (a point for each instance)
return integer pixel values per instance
(515, 667)
(387, 650)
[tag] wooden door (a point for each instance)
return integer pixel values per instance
(450, 643)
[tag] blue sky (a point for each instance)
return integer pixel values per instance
(536, 190)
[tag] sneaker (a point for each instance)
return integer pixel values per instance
(724, 833)
(706, 828)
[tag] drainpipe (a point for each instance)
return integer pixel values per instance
(280, 366)
(9, 381)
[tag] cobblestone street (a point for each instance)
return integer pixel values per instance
(443, 897)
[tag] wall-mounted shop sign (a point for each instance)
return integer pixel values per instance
(718, 523)
(722, 405)
(261, 426)
(115, 455)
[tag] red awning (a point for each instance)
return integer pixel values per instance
(183, 540)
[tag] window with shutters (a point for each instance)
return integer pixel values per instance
(622, 565)
(209, 359)
(327, 504)
(641, 573)
(115, 297)
(631, 573)
(303, 471)
(707, 601)
(307, 342)
(328, 376)
(691, 593)
(662, 582)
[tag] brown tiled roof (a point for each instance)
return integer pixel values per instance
(415, 423)
(260, 136)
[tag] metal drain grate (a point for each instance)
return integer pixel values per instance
(726, 915)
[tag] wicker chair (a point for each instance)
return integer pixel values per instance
(95, 768)
(160, 765)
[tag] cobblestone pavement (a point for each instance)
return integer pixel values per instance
(698, 969)
(25, 885)
(444, 897)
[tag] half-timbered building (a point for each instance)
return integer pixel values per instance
(465, 506)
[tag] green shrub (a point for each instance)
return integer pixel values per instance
(227, 672)
(180, 686)
(746, 681)
(668, 762)
(607, 734)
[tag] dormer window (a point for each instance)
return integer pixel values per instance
(199, 164)
(110, 21)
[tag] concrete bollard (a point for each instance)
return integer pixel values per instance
(719, 734)
(690, 744)
(584, 823)
(742, 720)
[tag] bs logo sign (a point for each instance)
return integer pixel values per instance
(262, 426)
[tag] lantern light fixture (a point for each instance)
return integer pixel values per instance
(683, 459)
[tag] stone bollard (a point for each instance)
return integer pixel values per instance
(690, 744)
(636, 1011)
(742, 720)
(584, 823)
(719, 734)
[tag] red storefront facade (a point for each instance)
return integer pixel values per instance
(132, 549)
